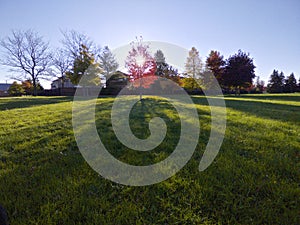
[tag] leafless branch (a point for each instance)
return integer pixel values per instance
(25, 51)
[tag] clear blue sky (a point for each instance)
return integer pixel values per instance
(268, 29)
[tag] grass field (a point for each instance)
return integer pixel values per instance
(253, 180)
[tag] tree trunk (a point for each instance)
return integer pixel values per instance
(62, 86)
(140, 89)
(237, 91)
(34, 87)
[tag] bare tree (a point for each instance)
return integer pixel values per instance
(74, 41)
(26, 52)
(61, 63)
(81, 52)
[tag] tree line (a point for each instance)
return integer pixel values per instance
(278, 83)
(31, 57)
(236, 74)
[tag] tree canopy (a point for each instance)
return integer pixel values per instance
(139, 64)
(85, 65)
(215, 63)
(16, 89)
(239, 71)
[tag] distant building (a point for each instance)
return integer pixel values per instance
(118, 78)
(4, 89)
(115, 83)
(59, 83)
(109, 87)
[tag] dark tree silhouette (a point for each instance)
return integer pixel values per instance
(276, 82)
(3, 216)
(290, 85)
(239, 71)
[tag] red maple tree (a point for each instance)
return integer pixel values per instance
(141, 65)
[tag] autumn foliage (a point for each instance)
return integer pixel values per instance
(140, 64)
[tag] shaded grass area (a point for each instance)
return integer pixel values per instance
(277, 97)
(23, 102)
(254, 179)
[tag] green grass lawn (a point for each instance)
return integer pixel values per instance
(253, 180)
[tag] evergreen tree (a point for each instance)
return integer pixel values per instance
(290, 85)
(193, 65)
(159, 57)
(108, 62)
(276, 82)
(163, 69)
(85, 65)
(171, 73)
(161, 64)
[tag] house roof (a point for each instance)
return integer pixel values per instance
(4, 87)
(60, 78)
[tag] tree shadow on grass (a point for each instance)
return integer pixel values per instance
(279, 97)
(24, 102)
(261, 109)
(140, 116)
(273, 111)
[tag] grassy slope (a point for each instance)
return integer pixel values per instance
(254, 179)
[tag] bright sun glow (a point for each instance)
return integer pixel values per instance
(140, 60)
